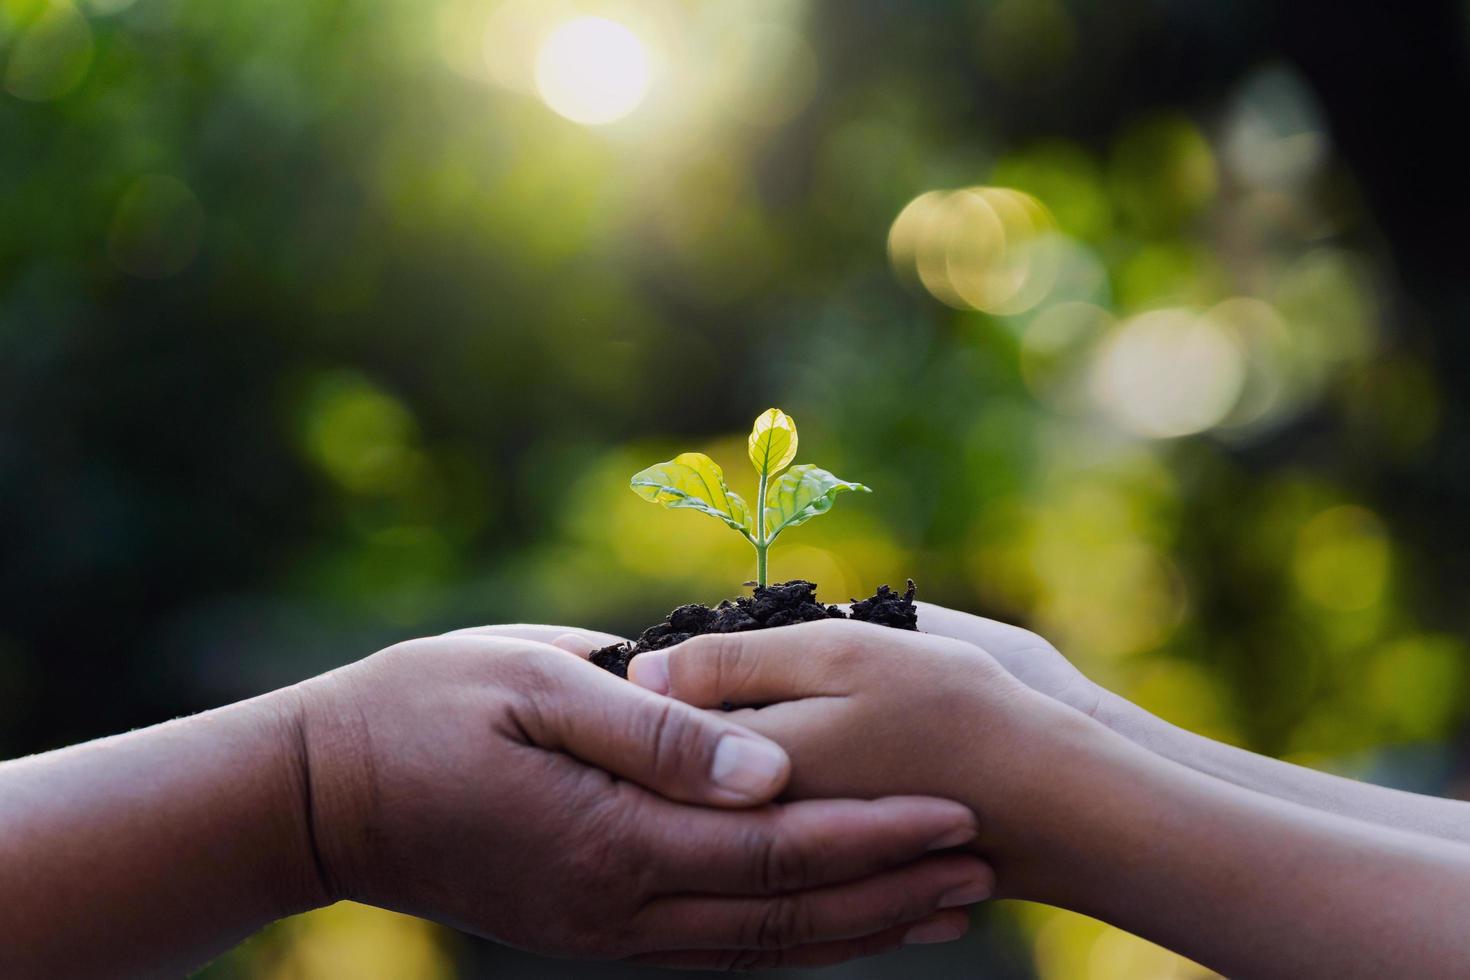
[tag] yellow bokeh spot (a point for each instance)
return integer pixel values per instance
(653, 543)
(1342, 559)
(1082, 558)
(348, 940)
(909, 229)
(593, 70)
(1417, 686)
(1069, 946)
(359, 434)
(992, 249)
(837, 581)
(1184, 694)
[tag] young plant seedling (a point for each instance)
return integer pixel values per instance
(782, 500)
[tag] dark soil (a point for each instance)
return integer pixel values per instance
(783, 604)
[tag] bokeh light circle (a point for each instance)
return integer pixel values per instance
(52, 54)
(593, 71)
(1168, 373)
(991, 249)
(157, 227)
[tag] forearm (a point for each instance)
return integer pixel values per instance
(1039, 665)
(1449, 819)
(147, 853)
(1244, 883)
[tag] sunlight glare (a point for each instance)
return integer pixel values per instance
(593, 71)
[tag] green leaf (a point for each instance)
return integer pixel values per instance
(801, 493)
(694, 480)
(772, 442)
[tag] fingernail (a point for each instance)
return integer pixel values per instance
(956, 837)
(746, 767)
(650, 670)
(943, 931)
(966, 894)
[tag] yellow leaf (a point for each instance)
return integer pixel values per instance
(695, 481)
(772, 442)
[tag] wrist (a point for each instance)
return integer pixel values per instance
(302, 859)
(1133, 723)
(1034, 822)
(339, 787)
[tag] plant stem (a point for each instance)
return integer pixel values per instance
(761, 544)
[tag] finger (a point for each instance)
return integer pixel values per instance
(579, 643)
(799, 845)
(861, 908)
(988, 634)
(941, 927)
(758, 667)
(677, 751)
(541, 634)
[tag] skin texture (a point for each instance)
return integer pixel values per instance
(1039, 665)
(1075, 815)
(488, 779)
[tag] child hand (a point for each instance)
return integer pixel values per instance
(867, 711)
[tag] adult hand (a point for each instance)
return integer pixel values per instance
(501, 784)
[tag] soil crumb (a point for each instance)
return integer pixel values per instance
(769, 606)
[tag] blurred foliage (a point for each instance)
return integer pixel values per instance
(1143, 320)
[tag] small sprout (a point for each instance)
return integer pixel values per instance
(794, 497)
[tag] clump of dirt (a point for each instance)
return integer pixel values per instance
(769, 606)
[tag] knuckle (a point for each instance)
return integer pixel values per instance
(780, 922)
(711, 650)
(781, 864)
(525, 665)
(844, 656)
(706, 646)
(717, 663)
(411, 648)
(533, 692)
(673, 737)
(841, 640)
(1022, 637)
(406, 653)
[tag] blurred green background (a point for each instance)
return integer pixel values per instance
(327, 324)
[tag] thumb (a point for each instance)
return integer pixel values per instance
(661, 744)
